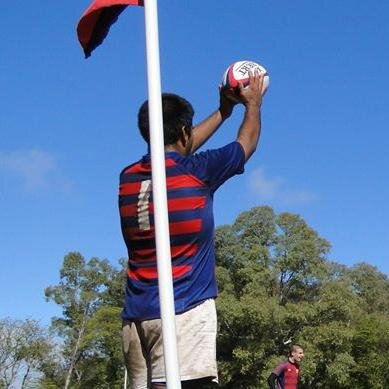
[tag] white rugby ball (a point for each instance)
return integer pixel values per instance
(238, 72)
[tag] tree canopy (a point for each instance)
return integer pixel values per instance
(276, 286)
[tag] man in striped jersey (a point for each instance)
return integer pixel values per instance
(192, 179)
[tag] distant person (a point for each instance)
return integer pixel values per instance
(192, 180)
(287, 374)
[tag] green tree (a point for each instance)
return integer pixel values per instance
(24, 347)
(88, 293)
(276, 284)
(371, 286)
(300, 258)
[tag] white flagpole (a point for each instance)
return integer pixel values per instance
(165, 283)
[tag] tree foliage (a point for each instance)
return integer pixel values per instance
(276, 284)
(90, 294)
(24, 349)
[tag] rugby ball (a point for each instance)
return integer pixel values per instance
(238, 72)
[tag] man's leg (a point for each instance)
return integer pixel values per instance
(136, 363)
(196, 341)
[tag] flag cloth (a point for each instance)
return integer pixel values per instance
(94, 24)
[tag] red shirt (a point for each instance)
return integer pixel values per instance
(288, 374)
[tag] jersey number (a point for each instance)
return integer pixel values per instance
(143, 205)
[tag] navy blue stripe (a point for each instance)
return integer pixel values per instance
(179, 261)
(130, 222)
(188, 192)
(132, 177)
(175, 240)
(138, 265)
(187, 215)
(172, 171)
(122, 173)
(128, 199)
(177, 216)
(173, 194)
(186, 239)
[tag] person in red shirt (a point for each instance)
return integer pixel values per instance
(287, 374)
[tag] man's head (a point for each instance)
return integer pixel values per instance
(177, 121)
(296, 353)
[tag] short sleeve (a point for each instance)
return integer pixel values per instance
(216, 166)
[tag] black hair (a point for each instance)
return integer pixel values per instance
(177, 113)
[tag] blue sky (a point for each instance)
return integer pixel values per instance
(68, 125)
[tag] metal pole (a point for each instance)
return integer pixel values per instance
(125, 378)
(166, 295)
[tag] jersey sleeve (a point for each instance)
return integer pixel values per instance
(279, 370)
(216, 166)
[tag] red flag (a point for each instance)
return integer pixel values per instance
(94, 24)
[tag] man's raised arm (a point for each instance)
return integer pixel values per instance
(250, 129)
(205, 129)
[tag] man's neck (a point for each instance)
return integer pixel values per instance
(174, 148)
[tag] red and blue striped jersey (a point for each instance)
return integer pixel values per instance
(191, 183)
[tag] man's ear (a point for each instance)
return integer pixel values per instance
(184, 136)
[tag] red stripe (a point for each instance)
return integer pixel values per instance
(187, 250)
(134, 233)
(145, 167)
(183, 181)
(186, 227)
(128, 210)
(151, 273)
(129, 188)
(180, 270)
(231, 80)
(177, 228)
(186, 203)
(176, 182)
(149, 255)
(144, 255)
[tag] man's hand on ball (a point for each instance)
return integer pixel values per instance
(228, 100)
(253, 92)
